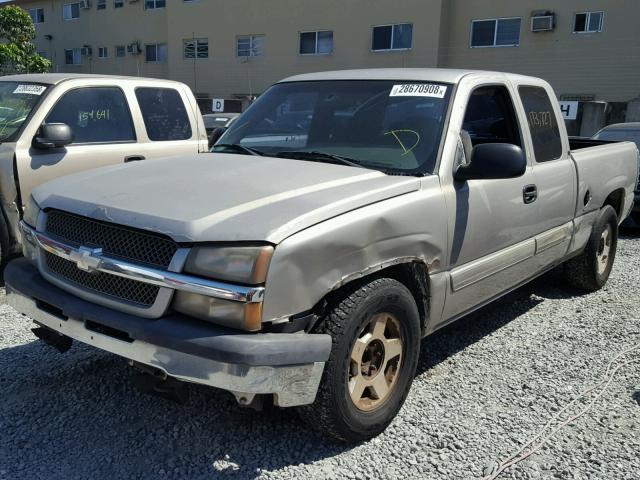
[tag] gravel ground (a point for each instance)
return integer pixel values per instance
(485, 385)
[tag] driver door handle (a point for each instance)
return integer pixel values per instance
(133, 158)
(529, 194)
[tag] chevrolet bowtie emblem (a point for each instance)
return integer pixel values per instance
(86, 259)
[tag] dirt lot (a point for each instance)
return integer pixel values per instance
(485, 386)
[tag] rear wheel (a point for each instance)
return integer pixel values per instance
(376, 340)
(591, 270)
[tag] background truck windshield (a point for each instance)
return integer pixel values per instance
(17, 100)
(393, 126)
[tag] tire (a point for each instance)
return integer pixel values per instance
(388, 305)
(590, 270)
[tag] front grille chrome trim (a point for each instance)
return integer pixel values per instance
(153, 276)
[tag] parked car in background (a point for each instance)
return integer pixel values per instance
(625, 132)
(620, 132)
(303, 261)
(217, 123)
(215, 120)
(55, 124)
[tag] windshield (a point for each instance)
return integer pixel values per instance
(391, 126)
(17, 100)
(620, 135)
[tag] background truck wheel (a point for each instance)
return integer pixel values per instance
(376, 341)
(591, 269)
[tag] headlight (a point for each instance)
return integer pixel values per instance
(245, 316)
(31, 212)
(247, 265)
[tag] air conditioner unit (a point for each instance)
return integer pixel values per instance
(543, 23)
(134, 48)
(86, 4)
(86, 51)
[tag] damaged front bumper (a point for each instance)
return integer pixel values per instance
(285, 365)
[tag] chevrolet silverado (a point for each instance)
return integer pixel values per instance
(344, 216)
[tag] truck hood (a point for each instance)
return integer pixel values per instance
(221, 197)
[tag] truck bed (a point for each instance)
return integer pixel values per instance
(604, 167)
(577, 143)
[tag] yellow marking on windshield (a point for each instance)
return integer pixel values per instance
(405, 150)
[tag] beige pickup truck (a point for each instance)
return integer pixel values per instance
(55, 124)
(340, 219)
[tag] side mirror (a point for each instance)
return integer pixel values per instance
(53, 135)
(493, 161)
(215, 135)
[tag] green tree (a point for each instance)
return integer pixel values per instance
(17, 50)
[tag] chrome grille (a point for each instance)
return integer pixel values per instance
(115, 240)
(142, 294)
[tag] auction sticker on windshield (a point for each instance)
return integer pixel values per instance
(418, 90)
(30, 89)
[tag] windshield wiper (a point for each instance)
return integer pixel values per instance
(238, 147)
(319, 156)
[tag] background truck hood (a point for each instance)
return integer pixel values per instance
(221, 197)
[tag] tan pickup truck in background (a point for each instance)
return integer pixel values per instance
(55, 124)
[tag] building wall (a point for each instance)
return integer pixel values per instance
(99, 28)
(281, 21)
(605, 64)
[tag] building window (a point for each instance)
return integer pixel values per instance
(37, 15)
(316, 43)
(250, 46)
(101, 4)
(152, 4)
(392, 37)
(71, 11)
(495, 32)
(588, 22)
(196, 48)
(72, 56)
(121, 51)
(156, 52)
(118, 3)
(103, 52)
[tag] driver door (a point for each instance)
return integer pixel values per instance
(491, 223)
(103, 129)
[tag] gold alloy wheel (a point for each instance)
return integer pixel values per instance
(604, 249)
(375, 362)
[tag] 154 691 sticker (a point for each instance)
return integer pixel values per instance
(418, 90)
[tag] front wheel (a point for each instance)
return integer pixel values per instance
(376, 341)
(590, 270)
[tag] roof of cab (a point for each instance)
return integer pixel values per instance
(56, 78)
(444, 75)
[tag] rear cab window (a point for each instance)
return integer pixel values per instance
(95, 115)
(543, 124)
(164, 113)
